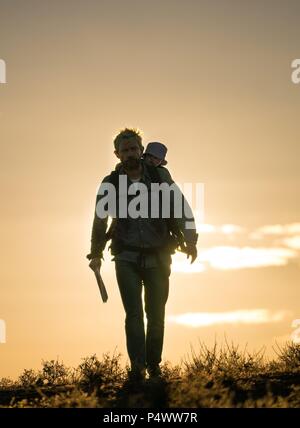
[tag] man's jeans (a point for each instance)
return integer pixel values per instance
(143, 350)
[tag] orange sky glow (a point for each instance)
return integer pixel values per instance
(210, 80)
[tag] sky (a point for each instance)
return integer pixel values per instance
(209, 79)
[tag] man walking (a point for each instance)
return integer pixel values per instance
(142, 254)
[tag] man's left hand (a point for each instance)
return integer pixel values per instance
(191, 250)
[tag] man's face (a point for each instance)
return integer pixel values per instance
(152, 160)
(129, 153)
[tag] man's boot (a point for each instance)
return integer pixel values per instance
(154, 371)
(136, 374)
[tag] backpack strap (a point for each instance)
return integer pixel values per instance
(154, 175)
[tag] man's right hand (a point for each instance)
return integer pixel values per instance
(95, 264)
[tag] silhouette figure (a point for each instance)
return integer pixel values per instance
(141, 249)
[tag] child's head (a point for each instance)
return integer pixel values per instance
(155, 154)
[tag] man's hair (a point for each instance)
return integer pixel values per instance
(127, 133)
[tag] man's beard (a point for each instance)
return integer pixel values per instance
(131, 163)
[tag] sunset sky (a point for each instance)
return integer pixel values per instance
(211, 80)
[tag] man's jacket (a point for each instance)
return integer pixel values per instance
(140, 233)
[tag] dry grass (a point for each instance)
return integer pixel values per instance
(225, 377)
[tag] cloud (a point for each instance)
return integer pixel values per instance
(277, 229)
(205, 228)
(206, 319)
(291, 229)
(229, 229)
(293, 242)
(272, 229)
(278, 248)
(181, 264)
(229, 257)
(224, 229)
(225, 257)
(266, 230)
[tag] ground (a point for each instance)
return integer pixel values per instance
(211, 378)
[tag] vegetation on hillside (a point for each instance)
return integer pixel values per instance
(225, 377)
